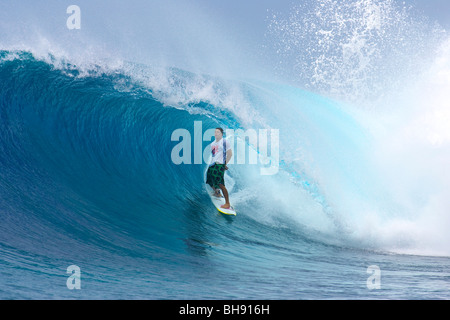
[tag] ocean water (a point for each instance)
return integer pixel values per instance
(357, 209)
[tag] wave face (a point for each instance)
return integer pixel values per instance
(87, 176)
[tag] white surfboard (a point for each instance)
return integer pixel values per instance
(218, 201)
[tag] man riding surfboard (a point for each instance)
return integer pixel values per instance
(221, 154)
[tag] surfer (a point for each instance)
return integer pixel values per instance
(221, 155)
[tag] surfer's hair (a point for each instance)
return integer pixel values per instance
(220, 129)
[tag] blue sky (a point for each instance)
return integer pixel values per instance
(438, 10)
(254, 10)
(176, 30)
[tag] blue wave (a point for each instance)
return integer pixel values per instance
(86, 178)
(66, 138)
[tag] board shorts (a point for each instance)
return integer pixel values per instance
(215, 175)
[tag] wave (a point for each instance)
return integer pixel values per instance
(86, 155)
(356, 93)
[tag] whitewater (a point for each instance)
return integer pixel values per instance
(358, 207)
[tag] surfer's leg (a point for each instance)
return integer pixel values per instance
(211, 177)
(221, 183)
(225, 194)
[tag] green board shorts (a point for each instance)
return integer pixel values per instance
(215, 175)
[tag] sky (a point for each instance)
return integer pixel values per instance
(172, 30)
(438, 10)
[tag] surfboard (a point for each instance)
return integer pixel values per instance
(220, 201)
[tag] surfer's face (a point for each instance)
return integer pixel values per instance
(218, 134)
